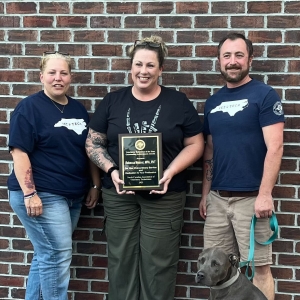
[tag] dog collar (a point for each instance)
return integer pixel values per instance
(227, 283)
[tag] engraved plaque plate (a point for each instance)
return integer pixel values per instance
(140, 161)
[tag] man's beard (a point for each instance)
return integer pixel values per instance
(240, 76)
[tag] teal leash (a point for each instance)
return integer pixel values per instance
(274, 228)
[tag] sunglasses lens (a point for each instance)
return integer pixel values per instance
(154, 45)
(150, 44)
(54, 52)
(64, 53)
(139, 43)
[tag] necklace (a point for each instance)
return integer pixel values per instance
(61, 110)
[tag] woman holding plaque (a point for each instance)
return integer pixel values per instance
(143, 227)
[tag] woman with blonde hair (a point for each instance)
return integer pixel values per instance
(143, 227)
(50, 178)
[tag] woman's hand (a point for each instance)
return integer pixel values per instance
(115, 176)
(168, 175)
(34, 206)
(92, 198)
(23, 171)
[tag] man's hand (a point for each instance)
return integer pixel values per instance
(264, 206)
(202, 208)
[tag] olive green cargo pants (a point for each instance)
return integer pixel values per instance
(143, 239)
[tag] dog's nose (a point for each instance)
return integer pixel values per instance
(199, 276)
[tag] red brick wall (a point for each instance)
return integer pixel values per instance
(97, 34)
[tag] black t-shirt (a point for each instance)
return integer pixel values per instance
(171, 113)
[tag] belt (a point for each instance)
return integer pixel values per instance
(237, 193)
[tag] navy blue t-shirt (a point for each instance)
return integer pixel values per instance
(235, 117)
(171, 113)
(54, 142)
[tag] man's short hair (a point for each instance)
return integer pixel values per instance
(234, 36)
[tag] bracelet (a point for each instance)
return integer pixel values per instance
(97, 188)
(110, 170)
(28, 196)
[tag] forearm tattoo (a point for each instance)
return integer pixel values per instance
(96, 149)
(29, 179)
(209, 169)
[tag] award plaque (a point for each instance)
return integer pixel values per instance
(140, 161)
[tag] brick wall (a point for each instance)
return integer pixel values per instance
(97, 34)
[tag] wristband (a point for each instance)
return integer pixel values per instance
(28, 196)
(110, 170)
(97, 188)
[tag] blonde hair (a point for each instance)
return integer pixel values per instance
(46, 57)
(145, 43)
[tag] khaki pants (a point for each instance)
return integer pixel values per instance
(227, 225)
(143, 239)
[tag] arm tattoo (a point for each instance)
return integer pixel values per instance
(96, 149)
(29, 179)
(209, 170)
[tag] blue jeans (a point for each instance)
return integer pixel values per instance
(51, 237)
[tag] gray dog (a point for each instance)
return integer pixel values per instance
(218, 270)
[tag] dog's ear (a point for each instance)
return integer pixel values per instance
(234, 260)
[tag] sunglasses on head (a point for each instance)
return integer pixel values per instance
(54, 52)
(144, 43)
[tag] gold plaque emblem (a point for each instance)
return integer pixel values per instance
(139, 144)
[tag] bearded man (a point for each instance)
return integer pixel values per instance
(244, 124)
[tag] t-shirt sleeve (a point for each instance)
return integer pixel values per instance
(99, 120)
(192, 124)
(21, 133)
(271, 111)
